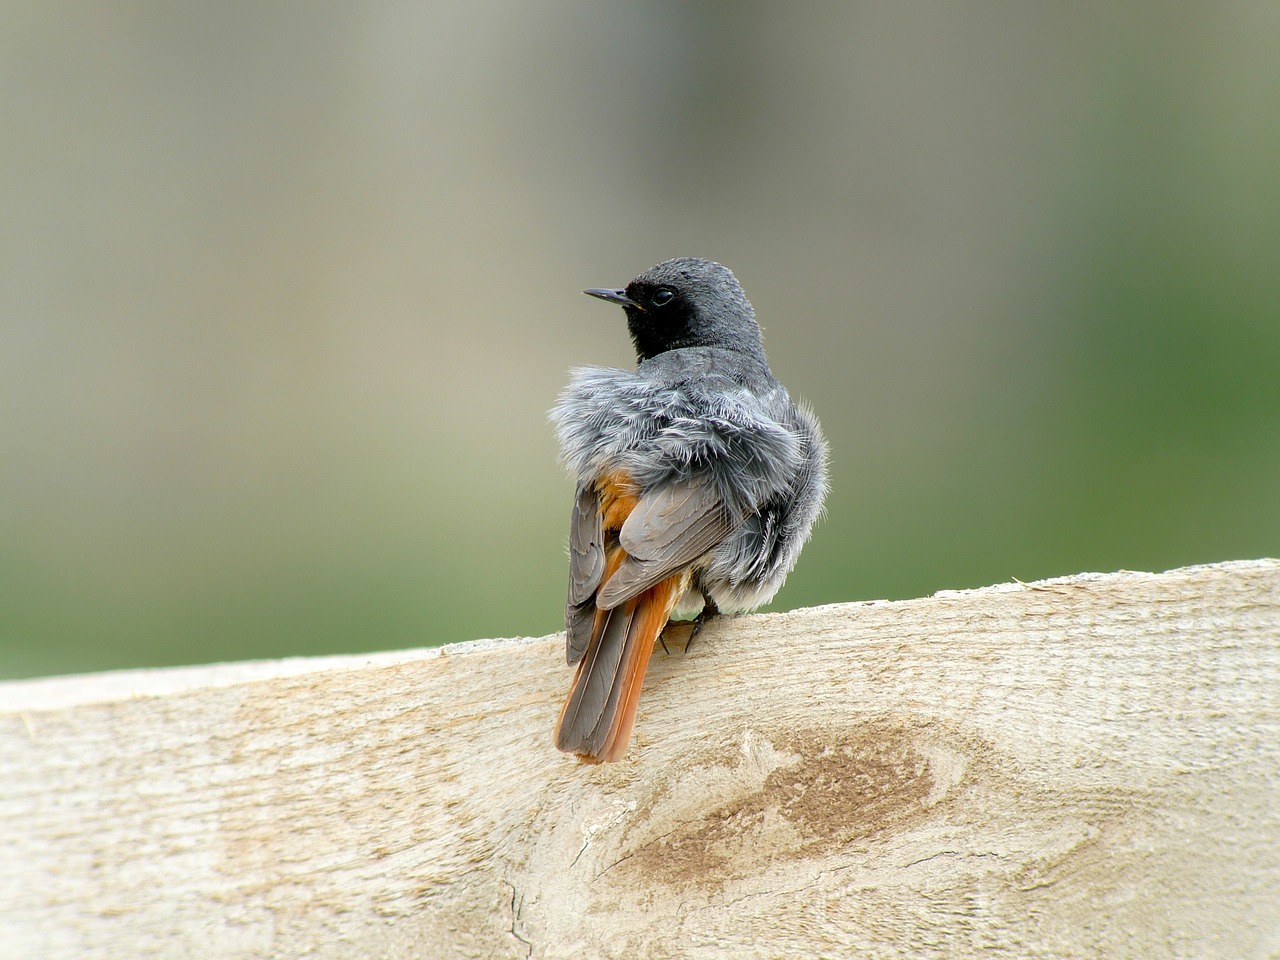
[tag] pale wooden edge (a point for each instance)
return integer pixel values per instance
(74, 690)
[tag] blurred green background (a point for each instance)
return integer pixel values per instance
(286, 290)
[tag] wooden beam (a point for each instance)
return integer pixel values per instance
(1082, 767)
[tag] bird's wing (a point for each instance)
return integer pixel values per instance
(668, 529)
(586, 545)
(586, 565)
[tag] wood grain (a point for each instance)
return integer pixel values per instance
(1084, 767)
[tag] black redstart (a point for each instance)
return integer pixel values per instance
(698, 480)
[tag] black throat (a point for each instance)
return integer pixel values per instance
(653, 336)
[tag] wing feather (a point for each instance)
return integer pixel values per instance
(669, 528)
(586, 568)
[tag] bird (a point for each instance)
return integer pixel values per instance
(697, 482)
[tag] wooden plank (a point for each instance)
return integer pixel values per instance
(1082, 767)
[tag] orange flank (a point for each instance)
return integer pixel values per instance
(618, 497)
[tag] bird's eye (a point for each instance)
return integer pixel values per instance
(662, 296)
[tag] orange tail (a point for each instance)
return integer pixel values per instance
(597, 718)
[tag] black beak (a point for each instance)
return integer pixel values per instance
(613, 296)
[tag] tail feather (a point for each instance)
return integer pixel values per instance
(599, 713)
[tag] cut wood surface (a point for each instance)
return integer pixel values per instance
(1082, 767)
